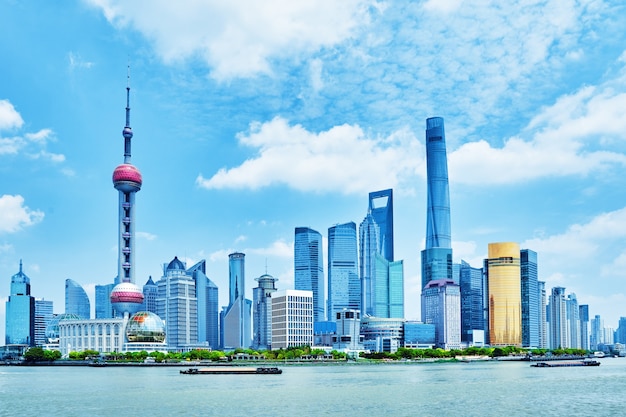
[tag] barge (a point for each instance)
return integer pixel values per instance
(565, 364)
(232, 370)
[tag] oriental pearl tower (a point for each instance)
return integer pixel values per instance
(126, 297)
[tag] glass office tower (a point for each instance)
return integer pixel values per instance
(504, 291)
(530, 299)
(309, 267)
(472, 305)
(76, 300)
(437, 257)
(382, 279)
(208, 305)
(20, 312)
(235, 320)
(43, 316)
(262, 315)
(344, 286)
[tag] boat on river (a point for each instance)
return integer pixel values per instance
(232, 370)
(560, 364)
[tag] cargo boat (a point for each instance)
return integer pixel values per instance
(232, 370)
(565, 364)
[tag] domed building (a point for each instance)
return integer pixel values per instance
(145, 327)
(52, 330)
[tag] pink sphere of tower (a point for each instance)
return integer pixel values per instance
(126, 297)
(127, 178)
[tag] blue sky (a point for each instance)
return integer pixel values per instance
(252, 118)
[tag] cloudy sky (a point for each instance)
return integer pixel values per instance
(252, 118)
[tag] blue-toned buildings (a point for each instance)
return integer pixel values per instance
(596, 338)
(208, 305)
(20, 312)
(472, 286)
(558, 319)
(262, 314)
(150, 293)
(309, 268)
(418, 335)
(382, 279)
(531, 318)
(177, 305)
(437, 256)
(235, 319)
(104, 308)
(344, 286)
(76, 300)
(43, 316)
(583, 315)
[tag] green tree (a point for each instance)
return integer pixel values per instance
(35, 354)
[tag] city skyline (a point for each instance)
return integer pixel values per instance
(298, 126)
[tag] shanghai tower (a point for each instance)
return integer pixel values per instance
(437, 256)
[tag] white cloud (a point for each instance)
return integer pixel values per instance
(340, 159)
(77, 62)
(146, 235)
(52, 157)
(571, 137)
(14, 215)
(237, 38)
(9, 117)
(11, 146)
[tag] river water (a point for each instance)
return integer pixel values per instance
(434, 389)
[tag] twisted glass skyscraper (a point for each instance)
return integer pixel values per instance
(437, 257)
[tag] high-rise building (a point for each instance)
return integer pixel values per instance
(309, 268)
(235, 320)
(292, 319)
(620, 333)
(437, 256)
(344, 287)
(150, 293)
(104, 308)
(76, 300)
(262, 314)
(126, 296)
(558, 319)
(348, 333)
(583, 315)
(543, 312)
(472, 297)
(20, 312)
(502, 270)
(530, 298)
(208, 305)
(382, 278)
(177, 305)
(573, 322)
(43, 316)
(441, 306)
(596, 338)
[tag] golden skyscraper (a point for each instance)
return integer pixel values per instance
(505, 298)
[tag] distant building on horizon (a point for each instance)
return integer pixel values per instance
(76, 300)
(20, 312)
(344, 286)
(583, 315)
(309, 268)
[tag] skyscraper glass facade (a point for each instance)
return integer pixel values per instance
(20, 312)
(43, 316)
(558, 319)
(504, 289)
(309, 267)
(236, 319)
(438, 232)
(441, 306)
(208, 305)
(472, 306)
(150, 292)
(104, 308)
(344, 286)
(76, 300)
(381, 277)
(530, 298)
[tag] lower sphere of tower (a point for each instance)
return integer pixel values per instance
(126, 298)
(127, 178)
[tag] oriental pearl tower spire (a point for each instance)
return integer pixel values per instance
(126, 297)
